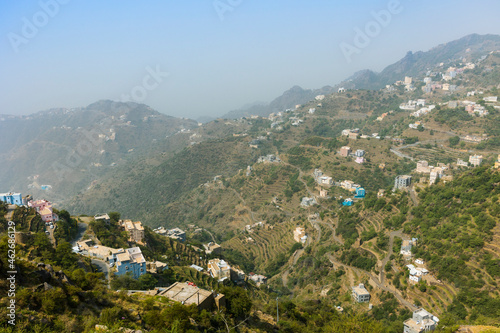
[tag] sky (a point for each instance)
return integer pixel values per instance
(205, 58)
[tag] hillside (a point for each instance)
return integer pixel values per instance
(68, 149)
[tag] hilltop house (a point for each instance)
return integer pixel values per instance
(345, 151)
(360, 294)
(212, 248)
(130, 261)
(44, 208)
(422, 321)
(12, 198)
(407, 245)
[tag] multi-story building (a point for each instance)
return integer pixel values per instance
(422, 321)
(219, 269)
(475, 160)
(402, 181)
(135, 229)
(360, 294)
(12, 198)
(44, 208)
(130, 261)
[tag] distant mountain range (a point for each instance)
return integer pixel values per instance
(468, 47)
(69, 148)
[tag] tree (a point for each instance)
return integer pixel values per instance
(454, 141)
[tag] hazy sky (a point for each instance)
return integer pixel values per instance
(219, 55)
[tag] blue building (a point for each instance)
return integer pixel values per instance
(347, 202)
(131, 261)
(12, 198)
(360, 192)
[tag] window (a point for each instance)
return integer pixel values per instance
(126, 267)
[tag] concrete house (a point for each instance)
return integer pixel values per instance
(360, 294)
(12, 198)
(403, 181)
(422, 321)
(130, 261)
(188, 293)
(219, 269)
(135, 229)
(299, 235)
(345, 151)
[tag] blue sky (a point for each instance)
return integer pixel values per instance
(217, 60)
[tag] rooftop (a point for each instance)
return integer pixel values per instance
(185, 293)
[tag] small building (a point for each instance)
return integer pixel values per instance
(306, 202)
(198, 268)
(360, 192)
(422, 321)
(156, 266)
(299, 235)
(102, 217)
(212, 247)
(347, 202)
(462, 163)
(177, 234)
(323, 193)
(380, 193)
(419, 261)
(360, 160)
(345, 151)
(403, 181)
(12, 198)
(257, 278)
(360, 294)
(348, 185)
(359, 153)
(187, 293)
(44, 208)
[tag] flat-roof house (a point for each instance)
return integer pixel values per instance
(219, 269)
(135, 229)
(345, 151)
(12, 198)
(130, 261)
(177, 233)
(299, 235)
(402, 181)
(422, 321)
(360, 294)
(187, 294)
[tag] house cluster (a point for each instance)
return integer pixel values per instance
(422, 321)
(268, 159)
(358, 155)
(412, 105)
(435, 173)
(221, 270)
(175, 233)
(416, 273)
(351, 133)
(360, 294)
(299, 235)
(126, 261)
(295, 121)
(321, 178)
(383, 115)
(44, 208)
(135, 230)
(423, 111)
(251, 227)
(407, 245)
(474, 138)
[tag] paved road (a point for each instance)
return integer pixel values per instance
(10, 212)
(82, 227)
(398, 233)
(103, 267)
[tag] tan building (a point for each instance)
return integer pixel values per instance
(188, 293)
(299, 235)
(345, 151)
(360, 294)
(219, 269)
(135, 229)
(475, 160)
(212, 248)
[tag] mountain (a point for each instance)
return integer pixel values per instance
(417, 63)
(68, 149)
(288, 100)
